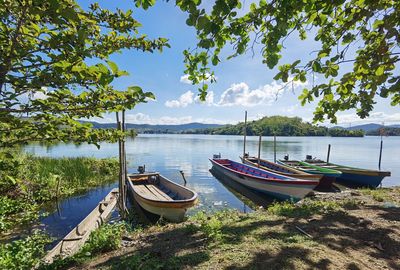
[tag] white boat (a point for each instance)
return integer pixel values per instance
(158, 195)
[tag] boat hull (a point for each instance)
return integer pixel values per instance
(279, 190)
(172, 210)
(361, 179)
(174, 214)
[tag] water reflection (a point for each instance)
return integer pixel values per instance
(251, 198)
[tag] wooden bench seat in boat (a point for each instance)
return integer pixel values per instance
(152, 192)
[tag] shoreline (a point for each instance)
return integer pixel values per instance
(354, 229)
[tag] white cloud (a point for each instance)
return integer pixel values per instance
(239, 94)
(374, 117)
(185, 78)
(140, 118)
(183, 101)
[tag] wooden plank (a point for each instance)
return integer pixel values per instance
(159, 192)
(145, 192)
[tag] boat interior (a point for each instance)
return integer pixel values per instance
(297, 165)
(150, 186)
(272, 166)
(244, 169)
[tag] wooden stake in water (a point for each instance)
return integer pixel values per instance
(259, 150)
(380, 154)
(329, 153)
(274, 148)
(244, 133)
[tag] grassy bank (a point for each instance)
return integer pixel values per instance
(349, 230)
(27, 182)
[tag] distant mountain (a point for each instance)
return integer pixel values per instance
(365, 127)
(146, 128)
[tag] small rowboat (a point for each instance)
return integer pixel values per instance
(278, 186)
(158, 195)
(352, 175)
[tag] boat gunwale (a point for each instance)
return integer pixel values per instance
(291, 180)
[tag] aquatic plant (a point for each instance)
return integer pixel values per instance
(24, 253)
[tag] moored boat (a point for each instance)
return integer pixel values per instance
(329, 175)
(278, 186)
(158, 195)
(353, 175)
(279, 169)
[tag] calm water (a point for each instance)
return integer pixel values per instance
(170, 153)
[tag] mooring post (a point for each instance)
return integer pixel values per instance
(380, 154)
(329, 153)
(274, 148)
(259, 149)
(183, 176)
(244, 132)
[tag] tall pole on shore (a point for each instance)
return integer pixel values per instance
(244, 133)
(259, 149)
(274, 148)
(329, 153)
(380, 149)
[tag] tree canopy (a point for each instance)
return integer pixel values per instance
(280, 126)
(55, 69)
(358, 47)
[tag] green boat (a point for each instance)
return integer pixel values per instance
(329, 174)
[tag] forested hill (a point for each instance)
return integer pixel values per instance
(280, 126)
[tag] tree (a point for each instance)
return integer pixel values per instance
(358, 54)
(55, 69)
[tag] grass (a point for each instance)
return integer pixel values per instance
(378, 194)
(27, 181)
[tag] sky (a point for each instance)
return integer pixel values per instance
(243, 83)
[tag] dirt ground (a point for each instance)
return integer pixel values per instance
(363, 234)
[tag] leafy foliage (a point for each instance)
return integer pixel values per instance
(55, 69)
(23, 254)
(358, 52)
(281, 126)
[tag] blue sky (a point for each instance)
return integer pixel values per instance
(243, 83)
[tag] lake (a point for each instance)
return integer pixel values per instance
(170, 153)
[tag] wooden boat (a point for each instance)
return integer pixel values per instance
(352, 175)
(310, 168)
(278, 186)
(329, 175)
(280, 169)
(158, 195)
(75, 239)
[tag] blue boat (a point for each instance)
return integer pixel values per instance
(352, 175)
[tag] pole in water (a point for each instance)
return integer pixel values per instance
(380, 150)
(259, 150)
(274, 148)
(329, 153)
(380, 154)
(244, 132)
(183, 176)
